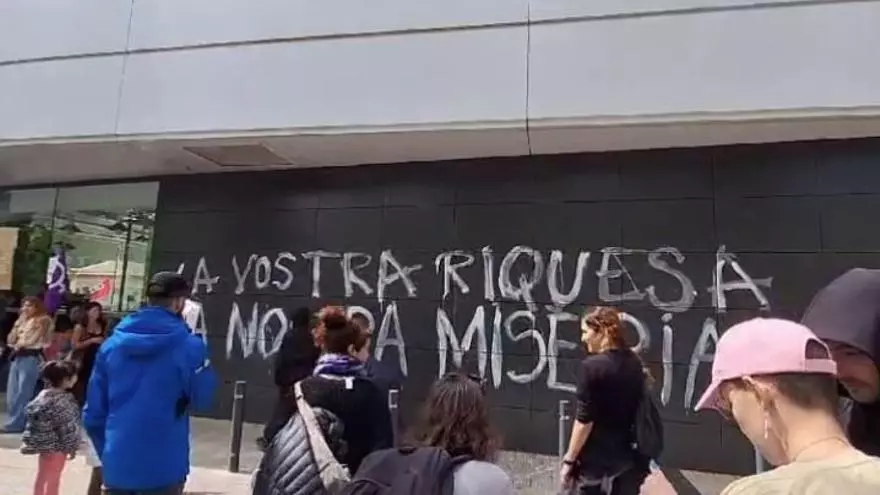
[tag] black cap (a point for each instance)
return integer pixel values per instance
(168, 284)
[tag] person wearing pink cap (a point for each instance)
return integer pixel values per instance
(778, 382)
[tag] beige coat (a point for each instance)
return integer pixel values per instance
(31, 333)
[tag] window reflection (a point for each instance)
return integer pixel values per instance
(25, 239)
(105, 232)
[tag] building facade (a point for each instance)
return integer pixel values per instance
(470, 174)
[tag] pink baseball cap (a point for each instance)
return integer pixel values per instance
(765, 346)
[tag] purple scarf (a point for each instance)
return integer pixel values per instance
(339, 365)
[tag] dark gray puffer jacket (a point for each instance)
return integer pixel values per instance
(288, 466)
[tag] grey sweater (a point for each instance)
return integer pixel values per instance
(482, 478)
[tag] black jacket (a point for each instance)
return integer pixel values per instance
(355, 421)
(296, 357)
(287, 467)
(848, 311)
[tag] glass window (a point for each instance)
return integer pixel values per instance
(25, 240)
(106, 233)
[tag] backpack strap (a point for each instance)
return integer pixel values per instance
(321, 452)
(449, 476)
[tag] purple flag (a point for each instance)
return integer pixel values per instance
(57, 280)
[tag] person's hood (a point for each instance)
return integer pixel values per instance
(848, 311)
(149, 331)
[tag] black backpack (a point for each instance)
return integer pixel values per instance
(648, 427)
(406, 471)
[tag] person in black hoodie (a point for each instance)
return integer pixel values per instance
(846, 314)
(296, 359)
(383, 375)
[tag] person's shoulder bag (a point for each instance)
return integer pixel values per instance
(299, 461)
(334, 475)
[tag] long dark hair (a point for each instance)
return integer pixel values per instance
(456, 417)
(84, 318)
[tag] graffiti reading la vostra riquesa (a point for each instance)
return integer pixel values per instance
(513, 276)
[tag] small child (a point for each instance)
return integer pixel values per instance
(52, 430)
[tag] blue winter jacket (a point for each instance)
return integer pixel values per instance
(147, 376)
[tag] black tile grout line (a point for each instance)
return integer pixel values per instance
(718, 197)
(768, 5)
(565, 249)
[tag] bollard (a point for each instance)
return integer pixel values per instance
(759, 462)
(564, 428)
(394, 408)
(238, 396)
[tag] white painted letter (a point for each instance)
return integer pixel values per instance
(362, 311)
(644, 334)
(391, 322)
(535, 335)
(666, 358)
(488, 274)
(450, 270)
(241, 275)
(284, 255)
(246, 332)
(708, 340)
(266, 332)
(446, 338)
(315, 258)
(402, 273)
(554, 273)
(605, 274)
(350, 277)
(202, 277)
(688, 293)
(554, 344)
(745, 282)
(524, 291)
(497, 348)
(262, 272)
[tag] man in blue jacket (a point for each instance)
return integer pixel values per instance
(147, 375)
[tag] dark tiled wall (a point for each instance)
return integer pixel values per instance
(800, 213)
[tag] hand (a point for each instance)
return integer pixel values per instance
(565, 474)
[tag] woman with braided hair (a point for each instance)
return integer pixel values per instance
(601, 458)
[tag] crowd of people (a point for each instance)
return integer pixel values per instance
(125, 396)
(805, 394)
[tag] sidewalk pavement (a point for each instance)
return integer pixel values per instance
(533, 474)
(18, 477)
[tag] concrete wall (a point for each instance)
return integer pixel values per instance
(790, 216)
(102, 68)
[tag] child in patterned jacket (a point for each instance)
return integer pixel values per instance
(52, 430)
